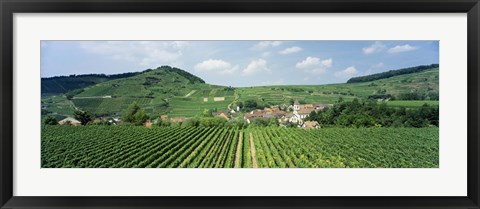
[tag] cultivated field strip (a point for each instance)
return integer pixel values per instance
(190, 147)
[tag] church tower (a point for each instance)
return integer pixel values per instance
(296, 105)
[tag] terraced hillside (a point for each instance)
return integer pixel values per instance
(173, 91)
(425, 82)
(159, 91)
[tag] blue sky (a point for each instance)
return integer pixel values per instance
(239, 63)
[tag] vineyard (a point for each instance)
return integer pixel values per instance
(108, 105)
(188, 147)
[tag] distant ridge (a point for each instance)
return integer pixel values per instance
(392, 73)
(64, 84)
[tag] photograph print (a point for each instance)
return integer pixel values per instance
(240, 104)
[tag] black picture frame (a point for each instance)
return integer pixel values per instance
(10, 7)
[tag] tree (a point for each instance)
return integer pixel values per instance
(205, 122)
(165, 123)
(432, 96)
(273, 121)
(251, 103)
(236, 122)
(219, 122)
(82, 116)
(212, 122)
(313, 116)
(409, 96)
(289, 124)
(240, 104)
(370, 113)
(49, 120)
(259, 122)
(134, 114)
(129, 114)
(340, 100)
(192, 122)
(140, 117)
(291, 101)
(207, 113)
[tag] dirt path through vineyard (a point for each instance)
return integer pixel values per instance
(254, 153)
(238, 159)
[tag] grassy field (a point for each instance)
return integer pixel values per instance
(189, 147)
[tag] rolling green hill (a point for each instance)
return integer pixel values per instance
(175, 92)
(158, 91)
(63, 84)
(391, 73)
(422, 84)
(164, 81)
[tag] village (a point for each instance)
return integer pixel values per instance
(285, 115)
(295, 114)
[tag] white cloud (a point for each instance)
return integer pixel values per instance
(265, 44)
(308, 62)
(327, 62)
(146, 53)
(349, 71)
(291, 50)
(374, 48)
(402, 48)
(314, 65)
(217, 66)
(256, 66)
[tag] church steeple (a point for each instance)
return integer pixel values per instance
(296, 105)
